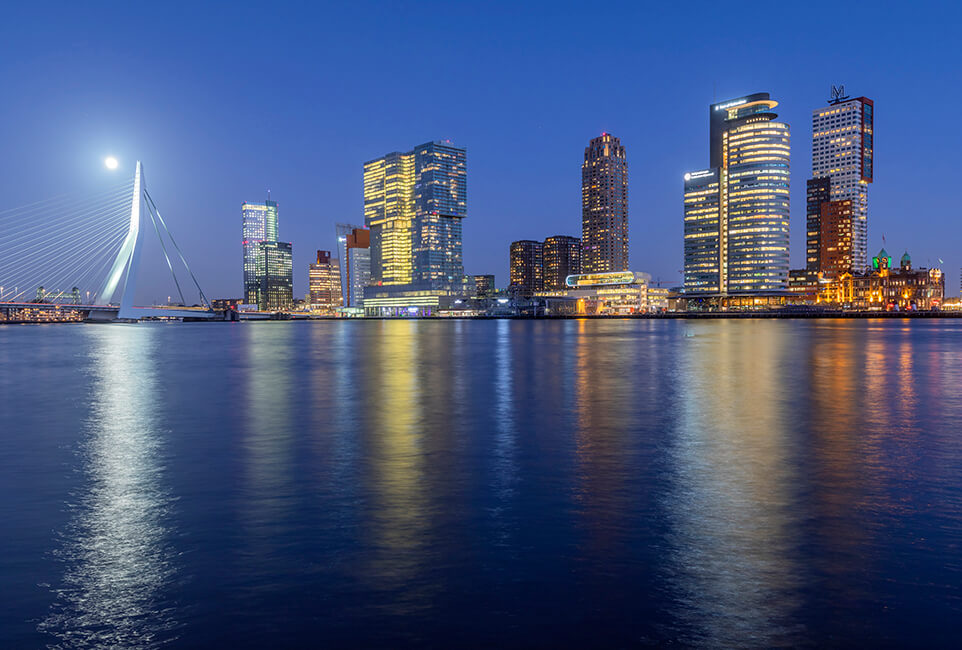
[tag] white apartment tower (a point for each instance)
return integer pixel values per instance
(842, 151)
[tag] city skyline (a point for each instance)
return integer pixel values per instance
(198, 152)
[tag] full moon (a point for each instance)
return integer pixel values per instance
(110, 162)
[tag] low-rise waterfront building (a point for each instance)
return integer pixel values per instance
(413, 300)
(885, 287)
(608, 294)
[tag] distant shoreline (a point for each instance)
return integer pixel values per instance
(678, 316)
(752, 315)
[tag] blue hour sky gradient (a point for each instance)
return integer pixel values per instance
(225, 101)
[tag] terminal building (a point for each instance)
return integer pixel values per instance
(616, 293)
(885, 287)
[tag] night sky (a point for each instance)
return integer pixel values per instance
(224, 102)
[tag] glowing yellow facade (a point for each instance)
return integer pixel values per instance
(389, 213)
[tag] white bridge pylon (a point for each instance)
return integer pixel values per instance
(122, 278)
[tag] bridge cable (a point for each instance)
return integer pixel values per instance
(203, 298)
(163, 247)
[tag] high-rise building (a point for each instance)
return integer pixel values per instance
(275, 271)
(258, 224)
(703, 271)
(440, 203)
(604, 206)
(562, 257)
(341, 233)
(526, 270)
(843, 152)
(414, 203)
(817, 192)
(483, 286)
(389, 213)
(324, 284)
(737, 212)
(356, 269)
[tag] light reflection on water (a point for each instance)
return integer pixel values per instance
(116, 558)
(502, 484)
(733, 565)
(397, 525)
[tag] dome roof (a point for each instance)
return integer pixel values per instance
(906, 259)
(883, 253)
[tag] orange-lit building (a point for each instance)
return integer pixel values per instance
(887, 288)
(835, 243)
(324, 282)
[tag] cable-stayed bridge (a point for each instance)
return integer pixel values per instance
(73, 258)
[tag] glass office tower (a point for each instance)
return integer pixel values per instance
(703, 269)
(440, 203)
(276, 272)
(258, 224)
(737, 212)
(356, 266)
(341, 232)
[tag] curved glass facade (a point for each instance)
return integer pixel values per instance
(737, 212)
(755, 206)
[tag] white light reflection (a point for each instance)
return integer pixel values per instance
(505, 448)
(116, 557)
(733, 562)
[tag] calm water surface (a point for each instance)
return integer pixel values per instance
(481, 483)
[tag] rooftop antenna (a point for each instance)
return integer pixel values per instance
(838, 95)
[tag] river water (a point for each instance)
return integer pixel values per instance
(611, 483)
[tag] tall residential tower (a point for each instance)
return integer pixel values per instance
(604, 206)
(842, 160)
(526, 272)
(562, 257)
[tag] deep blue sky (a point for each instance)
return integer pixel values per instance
(222, 102)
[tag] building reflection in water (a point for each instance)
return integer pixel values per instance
(605, 401)
(836, 372)
(733, 566)
(266, 505)
(333, 416)
(115, 550)
(397, 520)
